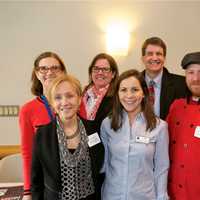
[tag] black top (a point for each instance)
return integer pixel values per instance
(46, 174)
(104, 109)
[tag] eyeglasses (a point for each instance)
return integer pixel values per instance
(45, 69)
(96, 69)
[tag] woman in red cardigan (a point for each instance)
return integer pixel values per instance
(37, 112)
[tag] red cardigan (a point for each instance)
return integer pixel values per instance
(31, 116)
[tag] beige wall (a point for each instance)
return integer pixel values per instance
(76, 31)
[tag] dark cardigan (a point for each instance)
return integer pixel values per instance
(104, 109)
(46, 172)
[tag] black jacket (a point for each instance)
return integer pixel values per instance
(46, 172)
(104, 109)
(172, 87)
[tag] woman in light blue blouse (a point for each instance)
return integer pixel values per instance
(136, 145)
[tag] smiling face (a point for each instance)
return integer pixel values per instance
(130, 96)
(66, 100)
(47, 77)
(193, 79)
(153, 59)
(101, 74)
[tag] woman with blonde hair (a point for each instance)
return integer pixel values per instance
(68, 153)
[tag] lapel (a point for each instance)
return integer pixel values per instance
(104, 108)
(51, 154)
(97, 151)
(167, 91)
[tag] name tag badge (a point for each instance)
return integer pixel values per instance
(142, 139)
(197, 132)
(93, 139)
(3, 192)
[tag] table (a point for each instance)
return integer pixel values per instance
(10, 184)
(11, 191)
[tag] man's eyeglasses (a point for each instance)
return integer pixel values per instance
(45, 69)
(102, 69)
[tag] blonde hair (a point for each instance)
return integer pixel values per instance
(68, 78)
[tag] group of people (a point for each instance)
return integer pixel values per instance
(130, 136)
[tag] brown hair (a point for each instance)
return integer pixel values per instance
(113, 66)
(36, 87)
(68, 78)
(147, 109)
(154, 41)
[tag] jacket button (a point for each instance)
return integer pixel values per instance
(180, 186)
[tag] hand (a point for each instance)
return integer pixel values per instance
(27, 197)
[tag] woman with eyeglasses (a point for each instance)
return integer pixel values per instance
(37, 112)
(98, 94)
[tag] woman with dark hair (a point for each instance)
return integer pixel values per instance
(98, 94)
(68, 153)
(136, 144)
(37, 112)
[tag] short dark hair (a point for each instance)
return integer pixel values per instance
(114, 69)
(36, 87)
(154, 41)
(147, 108)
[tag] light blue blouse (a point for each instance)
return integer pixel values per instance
(136, 161)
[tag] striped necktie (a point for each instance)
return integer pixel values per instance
(151, 91)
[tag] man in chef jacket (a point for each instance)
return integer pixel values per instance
(184, 131)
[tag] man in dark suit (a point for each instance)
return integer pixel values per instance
(166, 86)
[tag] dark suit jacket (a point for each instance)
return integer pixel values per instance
(46, 172)
(172, 87)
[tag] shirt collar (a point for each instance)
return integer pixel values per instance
(157, 79)
(139, 116)
(195, 100)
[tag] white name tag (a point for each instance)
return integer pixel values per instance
(93, 139)
(3, 191)
(142, 139)
(197, 132)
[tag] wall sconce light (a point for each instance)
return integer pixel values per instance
(117, 40)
